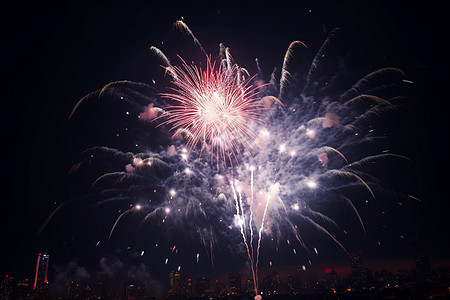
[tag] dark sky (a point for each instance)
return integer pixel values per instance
(52, 55)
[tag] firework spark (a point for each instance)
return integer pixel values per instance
(213, 107)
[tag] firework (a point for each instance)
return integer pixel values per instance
(213, 107)
(311, 152)
(180, 25)
(284, 71)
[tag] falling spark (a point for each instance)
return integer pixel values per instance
(260, 234)
(250, 222)
(284, 71)
(180, 25)
(164, 59)
(241, 223)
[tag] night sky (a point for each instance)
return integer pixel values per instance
(53, 55)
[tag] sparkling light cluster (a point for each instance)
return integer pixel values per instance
(215, 107)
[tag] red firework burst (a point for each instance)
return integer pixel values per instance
(214, 107)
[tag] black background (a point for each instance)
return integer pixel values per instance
(54, 54)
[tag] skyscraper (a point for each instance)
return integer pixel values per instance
(361, 275)
(40, 277)
(175, 283)
(271, 283)
(421, 259)
(235, 283)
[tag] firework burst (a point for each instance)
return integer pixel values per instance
(215, 108)
(317, 147)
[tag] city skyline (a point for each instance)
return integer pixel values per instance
(360, 280)
(311, 272)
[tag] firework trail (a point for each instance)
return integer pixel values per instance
(309, 151)
(165, 60)
(240, 215)
(320, 57)
(258, 68)
(180, 25)
(250, 222)
(229, 59)
(284, 71)
(240, 219)
(258, 248)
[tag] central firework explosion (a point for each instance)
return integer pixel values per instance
(308, 175)
(216, 107)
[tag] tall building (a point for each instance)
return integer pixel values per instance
(271, 283)
(249, 287)
(235, 283)
(175, 283)
(133, 292)
(290, 284)
(420, 258)
(203, 287)
(6, 287)
(23, 289)
(361, 275)
(40, 276)
(189, 289)
(275, 281)
(332, 278)
(219, 288)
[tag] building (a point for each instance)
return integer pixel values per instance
(189, 289)
(6, 287)
(203, 287)
(23, 289)
(332, 279)
(249, 287)
(175, 283)
(235, 283)
(421, 259)
(276, 284)
(40, 276)
(271, 283)
(361, 276)
(134, 292)
(219, 288)
(134, 289)
(292, 284)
